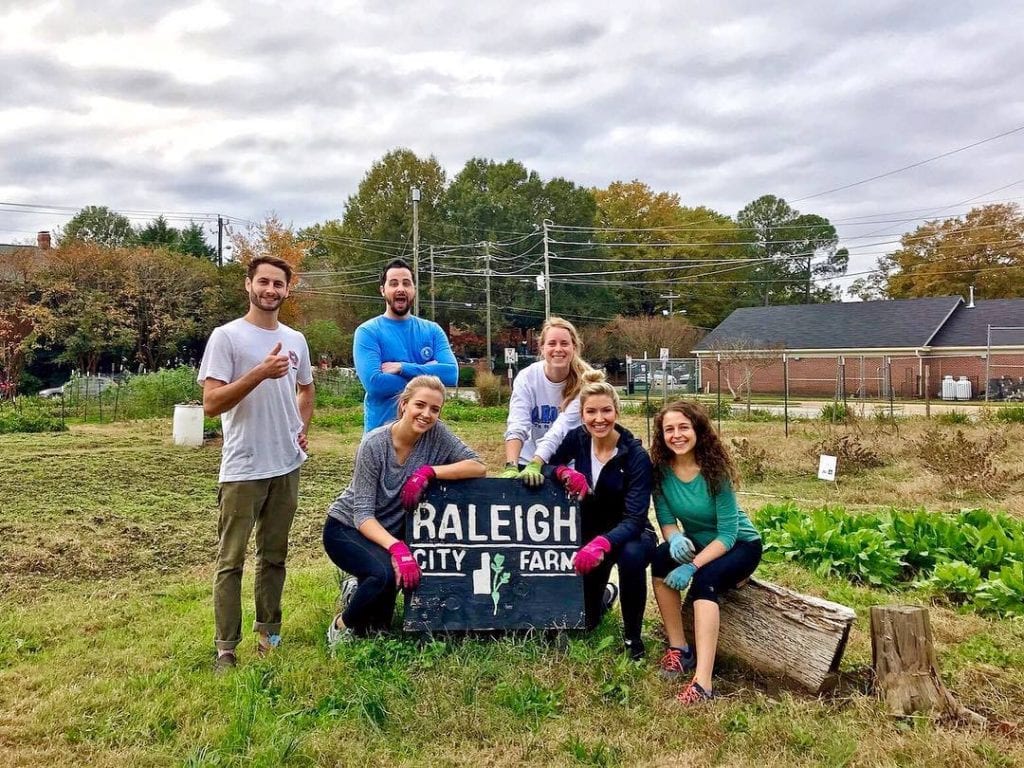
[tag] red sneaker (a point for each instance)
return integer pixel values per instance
(675, 662)
(694, 694)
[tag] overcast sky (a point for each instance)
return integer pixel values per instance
(243, 108)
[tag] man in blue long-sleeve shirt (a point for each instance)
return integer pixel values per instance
(394, 347)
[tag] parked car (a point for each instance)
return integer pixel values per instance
(81, 386)
(682, 375)
(658, 377)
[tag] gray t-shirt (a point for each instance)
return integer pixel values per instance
(261, 432)
(378, 477)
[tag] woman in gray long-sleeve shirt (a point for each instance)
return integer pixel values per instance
(365, 524)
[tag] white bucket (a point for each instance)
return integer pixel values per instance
(188, 425)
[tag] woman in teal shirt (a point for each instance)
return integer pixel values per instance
(710, 544)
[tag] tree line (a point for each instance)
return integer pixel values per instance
(629, 265)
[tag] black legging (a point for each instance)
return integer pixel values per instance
(632, 559)
(720, 575)
(373, 604)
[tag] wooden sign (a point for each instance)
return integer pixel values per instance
(494, 555)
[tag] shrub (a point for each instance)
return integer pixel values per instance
(489, 389)
(752, 459)
(154, 394)
(1011, 414)
(953, 418)
(1003, 594)
(834, 412)
(833, 543)
(929, 538)
(853, 456)
(973, 556)
(715, 412)
(758, 415)
(954, 581)
(467, 376)
(30, 416)
(963, 464)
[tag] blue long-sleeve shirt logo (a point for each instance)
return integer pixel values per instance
(543, 415)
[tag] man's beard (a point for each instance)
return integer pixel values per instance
(404, 310)
(256, 301)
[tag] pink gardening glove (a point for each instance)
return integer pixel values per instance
(418, 481)
(406, 569)
(575, 482)
(589, 556)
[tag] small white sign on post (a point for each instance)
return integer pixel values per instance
(827, 467)
(510, 355)
(664, 354)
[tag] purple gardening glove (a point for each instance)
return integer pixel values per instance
(575, 482)
(589, 556)
(407, 572)
(418, 481)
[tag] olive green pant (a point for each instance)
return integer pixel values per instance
(268, 506)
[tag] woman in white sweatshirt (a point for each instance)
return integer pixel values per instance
(545, 402)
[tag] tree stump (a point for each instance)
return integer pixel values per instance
(906, 668)
(776, 631)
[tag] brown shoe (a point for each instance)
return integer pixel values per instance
(225, 662)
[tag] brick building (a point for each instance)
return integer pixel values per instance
(860, 349)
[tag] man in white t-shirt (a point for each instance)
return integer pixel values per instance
(256, 376)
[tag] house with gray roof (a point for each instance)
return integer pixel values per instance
(869, 348)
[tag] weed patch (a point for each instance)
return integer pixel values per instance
(752, 459)
(963, 464)
(853, 456)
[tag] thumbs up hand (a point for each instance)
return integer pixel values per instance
(275, 365)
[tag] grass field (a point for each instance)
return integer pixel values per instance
(107, 536)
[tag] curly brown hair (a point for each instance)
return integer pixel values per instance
(710, 452)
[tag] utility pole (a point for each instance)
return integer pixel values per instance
(432, 306)
(416, 247)
(220, 240)
(807, 290)
(487, 288)
(670, 297)
(547, 270)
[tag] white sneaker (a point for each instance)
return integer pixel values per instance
(337, 635)
(348, 588)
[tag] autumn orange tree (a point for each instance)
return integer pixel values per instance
(985, 249)
(136, 305)
(17, 288)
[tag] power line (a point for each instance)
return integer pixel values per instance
(918, 164)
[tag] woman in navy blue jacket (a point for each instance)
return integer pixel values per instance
(612, 477)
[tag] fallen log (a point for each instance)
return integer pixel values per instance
(782, 633)
(906, 667)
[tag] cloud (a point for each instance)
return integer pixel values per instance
(244, 108)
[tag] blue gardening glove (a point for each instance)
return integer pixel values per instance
(681, 548)
(531, 475)
(679, 578)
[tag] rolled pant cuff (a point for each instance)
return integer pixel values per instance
(267, 627)
(226, 645)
